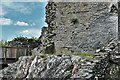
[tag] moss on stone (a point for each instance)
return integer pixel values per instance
(89, 55)
(42, 56)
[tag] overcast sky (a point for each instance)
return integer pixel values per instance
(22, 19)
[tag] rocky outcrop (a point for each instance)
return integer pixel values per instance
(53, 67)
(102, 65)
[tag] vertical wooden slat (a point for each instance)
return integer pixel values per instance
(5, 55)
(3, 52)
(25, 51)
(11, 52)
(17, 53)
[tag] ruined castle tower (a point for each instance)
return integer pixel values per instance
(80, 26)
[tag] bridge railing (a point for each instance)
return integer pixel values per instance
(14, 52)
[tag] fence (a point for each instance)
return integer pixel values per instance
(13, 53)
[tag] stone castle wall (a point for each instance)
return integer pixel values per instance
(81, 26)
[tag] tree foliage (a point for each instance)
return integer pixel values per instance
(3, 43)
(19, 39)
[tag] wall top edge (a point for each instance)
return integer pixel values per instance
(60, 0)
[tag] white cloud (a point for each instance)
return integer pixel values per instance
(19, 23)
(33, 24)
(31, 32)
(5, 21)
(6, 1)
(3, 6)
(43, 0)
(2, 12)
(21, 8)
(18, 7)
(21, 0)
(46, 25)
(25, 31)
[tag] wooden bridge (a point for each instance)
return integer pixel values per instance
(11, 54)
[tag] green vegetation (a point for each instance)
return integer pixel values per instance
(3, 43)
(89, 55)
(86, 55)
(42, 55)
(74, 20)
(34, 38)
(68, 52)
(20, 39)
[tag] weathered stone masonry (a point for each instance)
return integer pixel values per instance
(81, 26)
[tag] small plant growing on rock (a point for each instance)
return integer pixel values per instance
(89, 55)
(74, 20)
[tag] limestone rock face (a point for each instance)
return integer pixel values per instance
(53, 67)
(104, 64)
(81, 26)
(18, 69)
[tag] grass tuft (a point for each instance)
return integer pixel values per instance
(89, 55)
